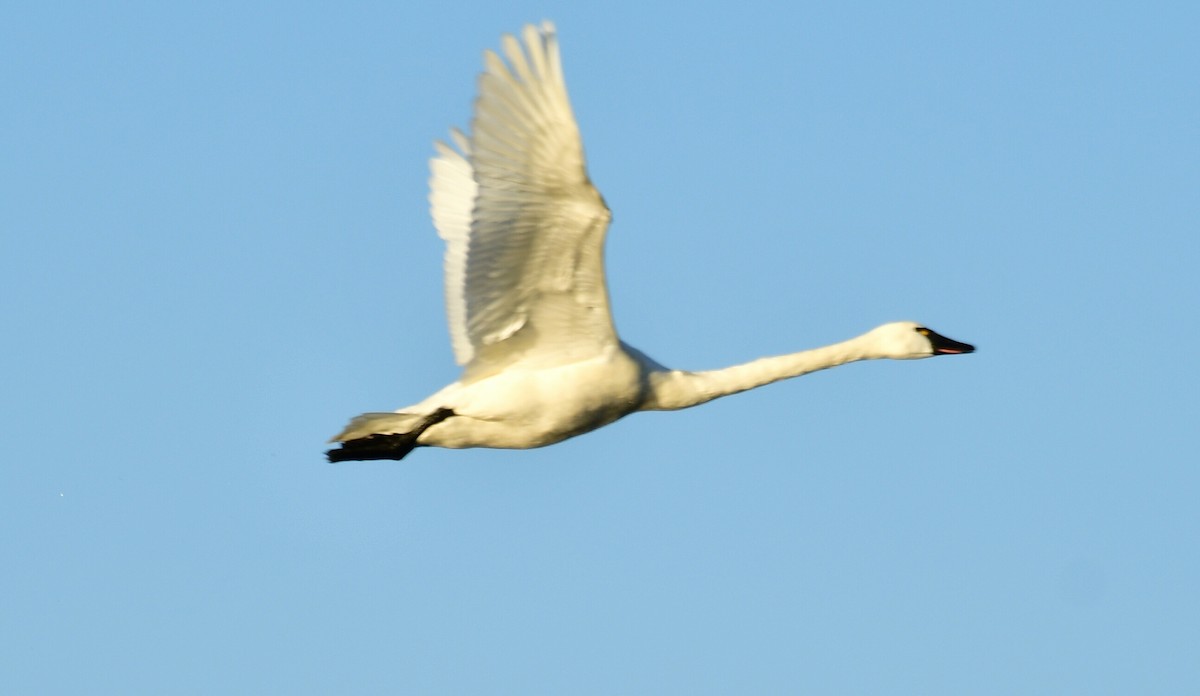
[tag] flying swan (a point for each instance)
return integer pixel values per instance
(525, 291)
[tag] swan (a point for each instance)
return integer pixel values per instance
(526, 299)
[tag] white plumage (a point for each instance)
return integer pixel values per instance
(525, 290)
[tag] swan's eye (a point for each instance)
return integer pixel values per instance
(923, 331)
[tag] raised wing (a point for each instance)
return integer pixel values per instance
(452, 192)
(523, 225)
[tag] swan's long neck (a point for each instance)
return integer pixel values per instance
(675, 389)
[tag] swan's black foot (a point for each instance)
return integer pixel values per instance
(374, 447)
(385, 446)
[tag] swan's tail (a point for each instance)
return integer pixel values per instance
(383, 435)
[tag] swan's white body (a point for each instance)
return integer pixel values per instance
(525, 288)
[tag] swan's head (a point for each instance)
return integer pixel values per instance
(907, 340)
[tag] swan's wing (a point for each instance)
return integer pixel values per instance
(523, 225)
(452, 192)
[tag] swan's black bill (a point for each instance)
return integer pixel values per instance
(947, 346)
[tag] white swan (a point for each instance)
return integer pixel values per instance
(525, 289)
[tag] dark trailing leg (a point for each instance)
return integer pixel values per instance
(385, 445)
(374, 447)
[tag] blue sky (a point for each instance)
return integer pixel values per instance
(216, 249)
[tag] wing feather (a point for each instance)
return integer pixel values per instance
(452, 192)
(523, 225)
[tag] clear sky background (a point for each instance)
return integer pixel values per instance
(216, 249)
